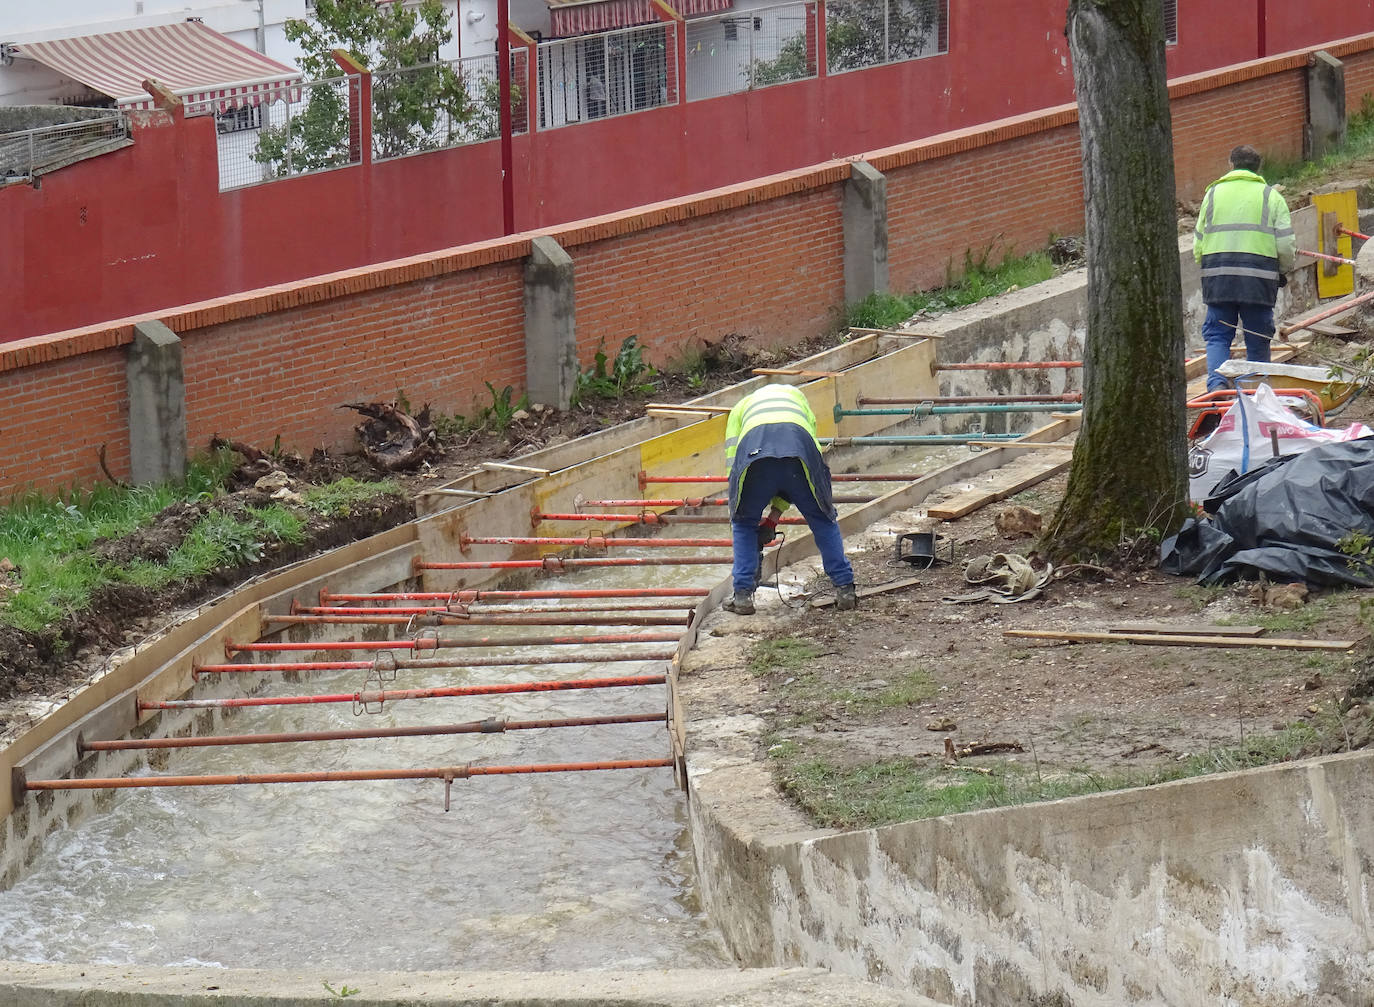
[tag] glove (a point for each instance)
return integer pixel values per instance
(1283, 279)
(768, 530)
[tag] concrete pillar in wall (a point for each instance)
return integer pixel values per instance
(550, 324)
(864, 209)
(1324, 130)
(157, 404)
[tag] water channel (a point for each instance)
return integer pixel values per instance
(542, 872)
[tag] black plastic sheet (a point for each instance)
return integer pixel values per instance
(1284, 520)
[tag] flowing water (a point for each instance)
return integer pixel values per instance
(541, 872)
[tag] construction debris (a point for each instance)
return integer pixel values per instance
(391, 438)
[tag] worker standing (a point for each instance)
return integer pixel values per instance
(774, 458)
(1245, 245)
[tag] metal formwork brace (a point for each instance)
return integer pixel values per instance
(1338, 259)
(924, 409)
(445, 642)
(964, 438)
(1010, 365)
(692, 502)
(488, 726)
(962, 400)
(458, 608)
(439, 617)
(650, 518)
(1341, 229)
(596, 541)
(465, 597)
(446, 773)
(843, 477)
(1325, 313)
(556, 564)
(387, 663)
(367, 697)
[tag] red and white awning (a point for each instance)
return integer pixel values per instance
(194, 61)
(578, 17)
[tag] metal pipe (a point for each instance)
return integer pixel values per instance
(594, 541)
(958, 400)
(581, 657)
(1335, 309)
(649, 517)
(446, 773)
(383, 696)
(378, 617)
(489, 726)
(1010, 365)
(1342, 260)
(458, 608)
(556, 564)
(465, 597)
(443, 643)
(855, 498)
(924, 410)
(1352, 234)
(919, 439)
(844, 477)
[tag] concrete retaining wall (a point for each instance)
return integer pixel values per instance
(1246, 888)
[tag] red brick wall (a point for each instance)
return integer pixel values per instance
(764, 259)
(771, 269)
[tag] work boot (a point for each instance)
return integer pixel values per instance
(741, 604)
(845, 598)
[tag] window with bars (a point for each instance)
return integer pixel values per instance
(1171, 22)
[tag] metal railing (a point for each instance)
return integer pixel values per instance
(744, 50)
(28, 153)
(446, 104)
(609, 73)
(863, 33)
(300, 129)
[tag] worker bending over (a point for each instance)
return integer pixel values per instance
(774, 457)
(1245, 244)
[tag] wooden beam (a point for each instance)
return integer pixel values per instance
(1187, 629)
(869, 592)
(795, 372)
(1167, 640)
(971, 500)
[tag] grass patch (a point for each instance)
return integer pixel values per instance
(1359, 143)
(51, 540)
(901, 790)
(979, 281)
(785, 653)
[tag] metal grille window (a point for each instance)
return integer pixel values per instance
(609, 73)
(862, 33)
(306, 128)
(738, 52)
(236, 119)
(1171, 22)
(438, 105)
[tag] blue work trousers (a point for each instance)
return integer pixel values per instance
(765, 479)
(1219, 330)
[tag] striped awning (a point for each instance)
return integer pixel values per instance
(209, 71)
(578, 17)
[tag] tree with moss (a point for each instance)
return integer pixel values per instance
(1129, 474)
(418, 103)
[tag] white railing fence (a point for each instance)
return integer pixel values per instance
(864, 33)
(294, 130)
(446, 104)
(748, 49)
(27, 153)
(609, 73)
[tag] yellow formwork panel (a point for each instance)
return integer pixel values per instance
(1335, 209)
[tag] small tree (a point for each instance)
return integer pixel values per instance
(416, 109)
(1129, 469)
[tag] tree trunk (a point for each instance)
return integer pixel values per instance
(1129, 473)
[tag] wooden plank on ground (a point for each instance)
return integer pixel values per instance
(869, 592)
(1166, 640)
(1185, 629)
(971, 500)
